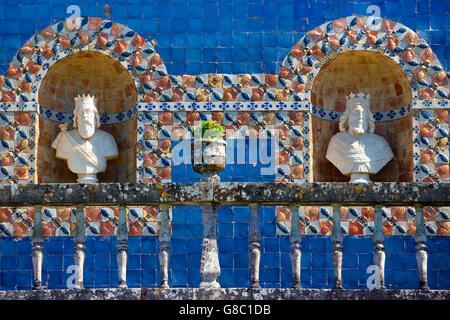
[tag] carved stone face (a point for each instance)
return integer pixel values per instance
(357, 121)
(86, 120)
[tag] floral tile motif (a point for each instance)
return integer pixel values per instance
(399, 221)
(58, 221)
(16, 222)
(359, 221)
(430, 145)
(437, 220)
(17, 147)
(101, 221)
(143, 221)
(393, 39)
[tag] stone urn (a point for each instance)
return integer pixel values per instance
(208, 157)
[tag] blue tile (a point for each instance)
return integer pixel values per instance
(8, 263)
(148, 245)
(270, 259)
(226, 260)
(102, 262)
(133, 277)
(241, 213)
(349, 276)
(194, 246)
(134, 245)
(178, 231)
(56, 279)
(319, 260)
(271, 245)
(101, 278)
(226, 276)
(225, 245)
(178, 260)
(305, 260)
(318, 244)
(241, 230)
(150, 278)
(8, 247)
(178, 246)
(179, 276)
(269, 276)
(149, 261)
(54, 262)
(240, 245)
(134, 262)
(318, 276)
(241, 260)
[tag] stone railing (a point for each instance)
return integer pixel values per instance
(212, 195)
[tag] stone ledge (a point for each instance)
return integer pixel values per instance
(223, 294)
(437, 194)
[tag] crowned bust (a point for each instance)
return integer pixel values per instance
(356, 151)
(86, 148)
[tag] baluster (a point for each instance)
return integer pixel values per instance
(37, 248)
(122, 246)
(421, 248)
(79, 254)
(379, 256)
(296, 253)
(209, 265)
(254, 238)
(336, 238)
(164, 244)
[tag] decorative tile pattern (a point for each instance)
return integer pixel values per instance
(143, 221)
(64, 117)
(430, 145)
(58, 221)
(400, 221)
(158, 131)
(393, 39)
(17, 147)
(16, 222)
(359, 221)
(33, 60)
(437, 221)
(377, 116)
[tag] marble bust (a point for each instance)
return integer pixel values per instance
(356, 151)
(85, 148)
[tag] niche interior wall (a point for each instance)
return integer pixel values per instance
(94, 73)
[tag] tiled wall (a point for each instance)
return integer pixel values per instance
(246, 64)
(195, 36)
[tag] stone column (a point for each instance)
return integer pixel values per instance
(80, 239)
(165, 214)
(36, 248)
(336, 238)
(296, 253)
(379, 255)
(421, 248)
(254, 238)
(122, 246)
(209, 265)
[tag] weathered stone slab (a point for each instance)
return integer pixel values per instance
(437, 194)
(223, 294)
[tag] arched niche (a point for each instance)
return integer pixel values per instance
(371, 73)
(94, 73)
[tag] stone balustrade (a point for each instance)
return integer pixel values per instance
(210, 196)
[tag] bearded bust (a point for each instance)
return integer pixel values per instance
(86, 148)
(356, 151)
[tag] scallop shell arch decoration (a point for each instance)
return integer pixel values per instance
(428, 78)
(40, 52)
